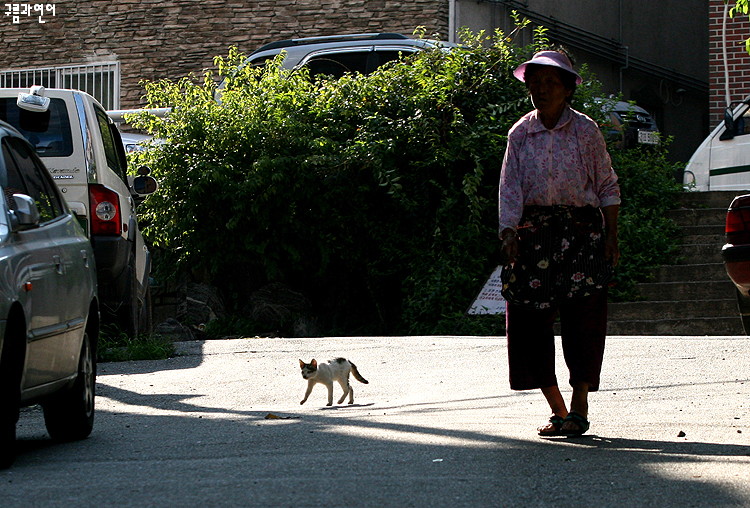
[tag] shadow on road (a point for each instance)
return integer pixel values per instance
(382, 458)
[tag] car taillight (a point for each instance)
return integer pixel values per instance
(737, 227)
(105, 211)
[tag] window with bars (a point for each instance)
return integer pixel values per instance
(101, 80)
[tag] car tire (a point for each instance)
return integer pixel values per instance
(743, 305)
(146, 312)
(70, 416)
(128, 315)
(11, 369)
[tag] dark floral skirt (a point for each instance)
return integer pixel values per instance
(561, 255)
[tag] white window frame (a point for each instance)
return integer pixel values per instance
(101, 80)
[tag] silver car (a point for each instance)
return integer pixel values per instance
(336, 55)
(49, 312)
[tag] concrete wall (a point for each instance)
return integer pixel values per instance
(155, 39)
(652, 52)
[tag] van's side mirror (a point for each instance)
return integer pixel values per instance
(144, 185)
(730, 129)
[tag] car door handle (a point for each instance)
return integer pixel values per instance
(85, 257)
(58, 264)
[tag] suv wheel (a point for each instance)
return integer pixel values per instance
(145, 316)
(743, 304)
(128, 316)
(70, 416)
(11, 368)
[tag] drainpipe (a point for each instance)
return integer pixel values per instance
(619, 35)
(451, 20)
(627, 63)
(724, 53)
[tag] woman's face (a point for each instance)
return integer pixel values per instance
(548, 93)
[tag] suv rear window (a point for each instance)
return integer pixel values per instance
(48, 132)
(337, 64)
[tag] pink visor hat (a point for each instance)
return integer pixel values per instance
(551, 58)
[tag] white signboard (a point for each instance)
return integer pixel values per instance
(489, 300)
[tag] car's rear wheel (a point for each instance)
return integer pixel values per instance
(128, 312)
(70, 415)
(11, 369)
(743, 304)
(134, 316)
(145, 314)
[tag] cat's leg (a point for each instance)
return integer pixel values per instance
(348, 390)
(310, 385)
(330, 393)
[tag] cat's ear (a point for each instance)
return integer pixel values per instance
(301, 364)
(314, 363)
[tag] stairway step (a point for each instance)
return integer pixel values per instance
(657, 310)
(698, 216)
(697, 253)
(704, 229)
(684, 291)
(713, 199)
(681, 326)
(692, 296)
(715, 239)
(696, 272)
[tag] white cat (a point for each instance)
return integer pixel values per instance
(327, 373)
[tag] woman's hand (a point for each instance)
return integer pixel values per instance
(509, 247)
(611, 250)
(611, 247)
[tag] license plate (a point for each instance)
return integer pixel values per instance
(648, 137)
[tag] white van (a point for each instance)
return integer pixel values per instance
(722, 161)
(83, 151)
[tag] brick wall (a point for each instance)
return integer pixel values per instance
(155, 39)
(738, 60)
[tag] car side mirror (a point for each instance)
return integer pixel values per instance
(730, 129)
(23, 214)
(144, 185)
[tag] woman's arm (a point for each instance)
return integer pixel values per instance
(611, 247)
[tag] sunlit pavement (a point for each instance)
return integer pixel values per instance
(437, 425)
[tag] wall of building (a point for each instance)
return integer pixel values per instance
(729, 77)
(157, 39)
(654, 53)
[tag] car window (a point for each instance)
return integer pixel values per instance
(337, 64)
(743, 124)
(49, 132)
(382, 56)
(27, 175)
(110, 146)
(363, 61)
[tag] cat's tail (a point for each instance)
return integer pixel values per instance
(357, 375)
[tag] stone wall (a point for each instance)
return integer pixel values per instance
(155, 39)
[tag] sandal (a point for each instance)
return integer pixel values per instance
(556, 430)
(578, 420)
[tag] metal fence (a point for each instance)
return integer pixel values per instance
(101, 80)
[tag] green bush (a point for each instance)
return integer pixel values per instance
(375, 196)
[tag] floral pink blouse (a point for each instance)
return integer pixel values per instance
(568, 165)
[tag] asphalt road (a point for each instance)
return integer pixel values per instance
(221, 425)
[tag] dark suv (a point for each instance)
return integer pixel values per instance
(338, 54)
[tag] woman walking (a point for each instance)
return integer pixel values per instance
(558, 207)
